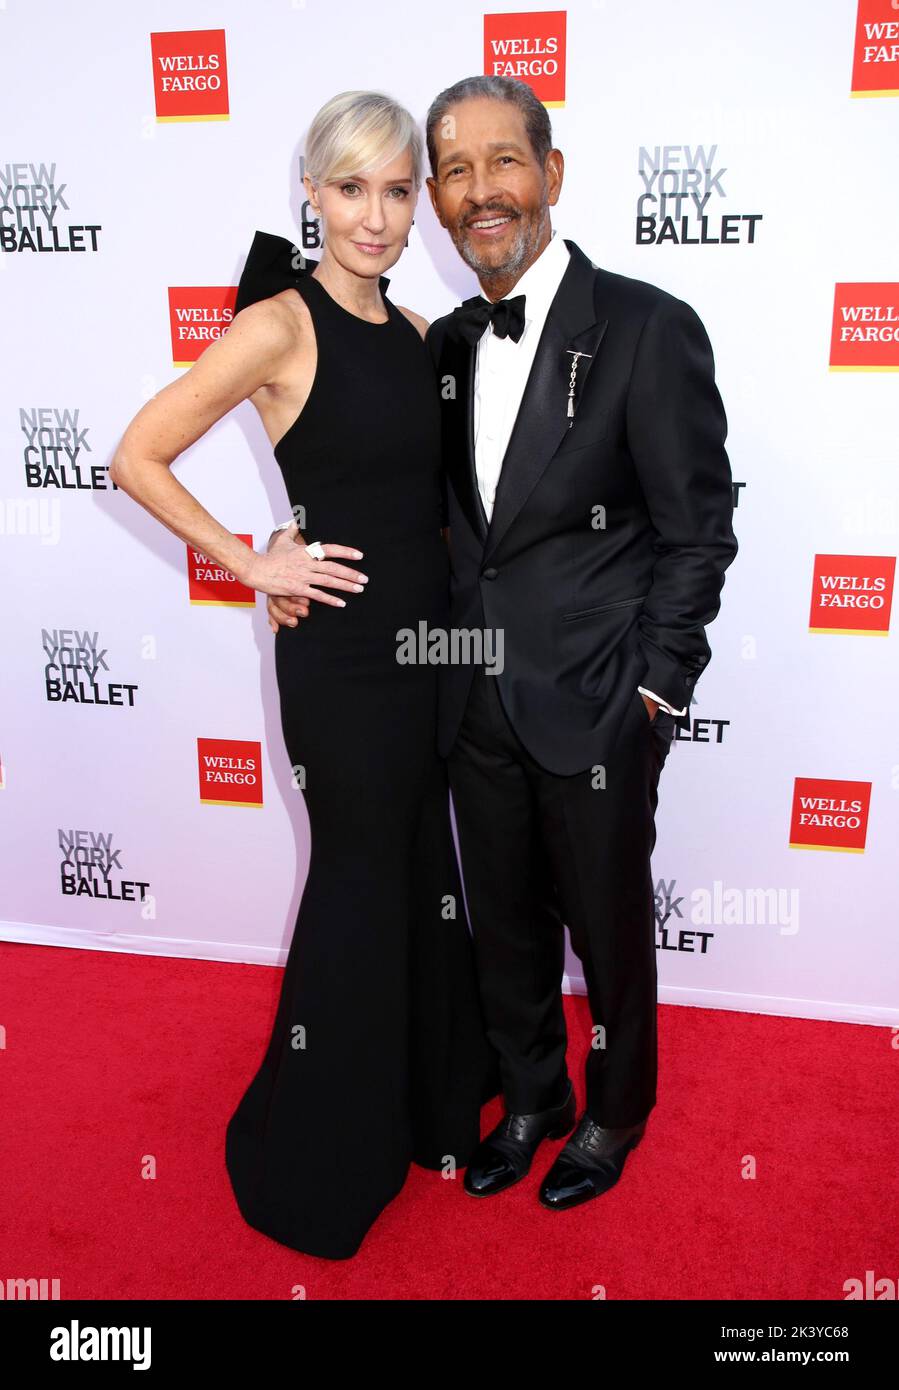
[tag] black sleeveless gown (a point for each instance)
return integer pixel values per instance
(377, 1056)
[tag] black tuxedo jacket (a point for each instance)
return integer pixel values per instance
(611, 531)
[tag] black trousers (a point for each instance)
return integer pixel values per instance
(539, 850)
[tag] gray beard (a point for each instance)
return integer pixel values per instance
(514, 262)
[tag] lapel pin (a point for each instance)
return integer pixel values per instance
(573, 378)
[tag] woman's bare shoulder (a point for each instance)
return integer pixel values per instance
(278, 319)
(416, 320)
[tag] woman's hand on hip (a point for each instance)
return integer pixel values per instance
(291, 577)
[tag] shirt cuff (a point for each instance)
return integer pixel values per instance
(659, 701)
(284, 525)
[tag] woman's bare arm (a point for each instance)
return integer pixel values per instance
(249, 355)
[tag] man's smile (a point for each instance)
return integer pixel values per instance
(489, 226)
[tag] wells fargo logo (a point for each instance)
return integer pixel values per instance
(829, 814)
(530, 47)
(190, 75)
(197, 315)
(865, 332)
(230, 772)
(875, 58)
(852, 594)
(210, 583)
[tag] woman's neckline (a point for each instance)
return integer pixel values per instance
(358, 317)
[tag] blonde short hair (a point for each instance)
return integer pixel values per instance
(358, 132)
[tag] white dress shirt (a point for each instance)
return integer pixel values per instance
(502, 368)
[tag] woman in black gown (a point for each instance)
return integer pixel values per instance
(377, 1055)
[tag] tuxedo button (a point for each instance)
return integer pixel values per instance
(489, 573)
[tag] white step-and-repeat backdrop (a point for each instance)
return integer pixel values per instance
(742, 157)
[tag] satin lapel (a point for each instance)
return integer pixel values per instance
(542, 419)
(459, 363)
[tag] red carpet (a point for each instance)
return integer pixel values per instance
(112, 1058)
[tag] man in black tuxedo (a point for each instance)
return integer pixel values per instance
(589, 506)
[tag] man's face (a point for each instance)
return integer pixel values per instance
(490, 193)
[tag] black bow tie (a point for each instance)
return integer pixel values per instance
(473, 315)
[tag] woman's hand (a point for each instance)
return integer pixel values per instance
(292, 577)
(284, 611)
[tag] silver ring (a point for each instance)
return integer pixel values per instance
(315, 550)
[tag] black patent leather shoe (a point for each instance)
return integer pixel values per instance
(506, 1154)
(590, 1163)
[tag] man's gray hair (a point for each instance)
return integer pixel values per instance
(536, 117)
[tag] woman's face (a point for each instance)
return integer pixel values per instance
(366, 217)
